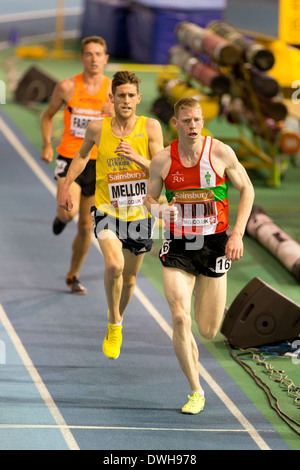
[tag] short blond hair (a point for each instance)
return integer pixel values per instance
(96, 39)
(186, 103)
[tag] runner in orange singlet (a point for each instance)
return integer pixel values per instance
(85, 97)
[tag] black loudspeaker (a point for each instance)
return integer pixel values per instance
(35, 86)
(260, 315)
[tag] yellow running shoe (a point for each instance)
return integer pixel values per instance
(195, 404)
(112, 342)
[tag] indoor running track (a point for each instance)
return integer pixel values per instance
(57, 390)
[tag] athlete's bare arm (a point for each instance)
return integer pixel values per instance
(79, 162)
(155, 135)
(224, 155)
(62, 93)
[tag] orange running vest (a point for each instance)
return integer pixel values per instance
(201, 195)
(79, 111)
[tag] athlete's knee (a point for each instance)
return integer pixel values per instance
(208, 331)
(181, 320)
(84, 228)
(114, 268)
(129, 282)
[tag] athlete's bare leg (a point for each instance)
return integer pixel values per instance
(112, 251)
(131, 268)
(82, 240)
(178, 287)
(209, 305)
(121, 269)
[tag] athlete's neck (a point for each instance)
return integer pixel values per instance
(190, 152)
(92, 82)
(122, 127)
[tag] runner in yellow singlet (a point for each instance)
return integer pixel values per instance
(126, 143)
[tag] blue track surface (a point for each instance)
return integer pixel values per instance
(57, 390)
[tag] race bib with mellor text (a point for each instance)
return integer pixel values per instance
(127, 188)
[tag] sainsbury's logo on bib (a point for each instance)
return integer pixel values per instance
(193, 195)
(127, 175)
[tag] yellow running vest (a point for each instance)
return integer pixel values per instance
(121, 185)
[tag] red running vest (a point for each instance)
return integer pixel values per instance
(201, 195)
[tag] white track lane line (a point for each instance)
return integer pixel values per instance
(29, 159)
(125, 428)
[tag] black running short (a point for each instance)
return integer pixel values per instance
(86, 180)
(200, 255)
(136, 236)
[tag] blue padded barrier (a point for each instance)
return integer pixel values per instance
(144, 30)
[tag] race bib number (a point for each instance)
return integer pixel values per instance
(127, 188)
(222, 264)
(60, 167)
(165, 247)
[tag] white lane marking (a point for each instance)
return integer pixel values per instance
(27, 157)
(126, 428)
(37, 380)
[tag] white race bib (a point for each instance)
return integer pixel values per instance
(127, 188)
(79, 124)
